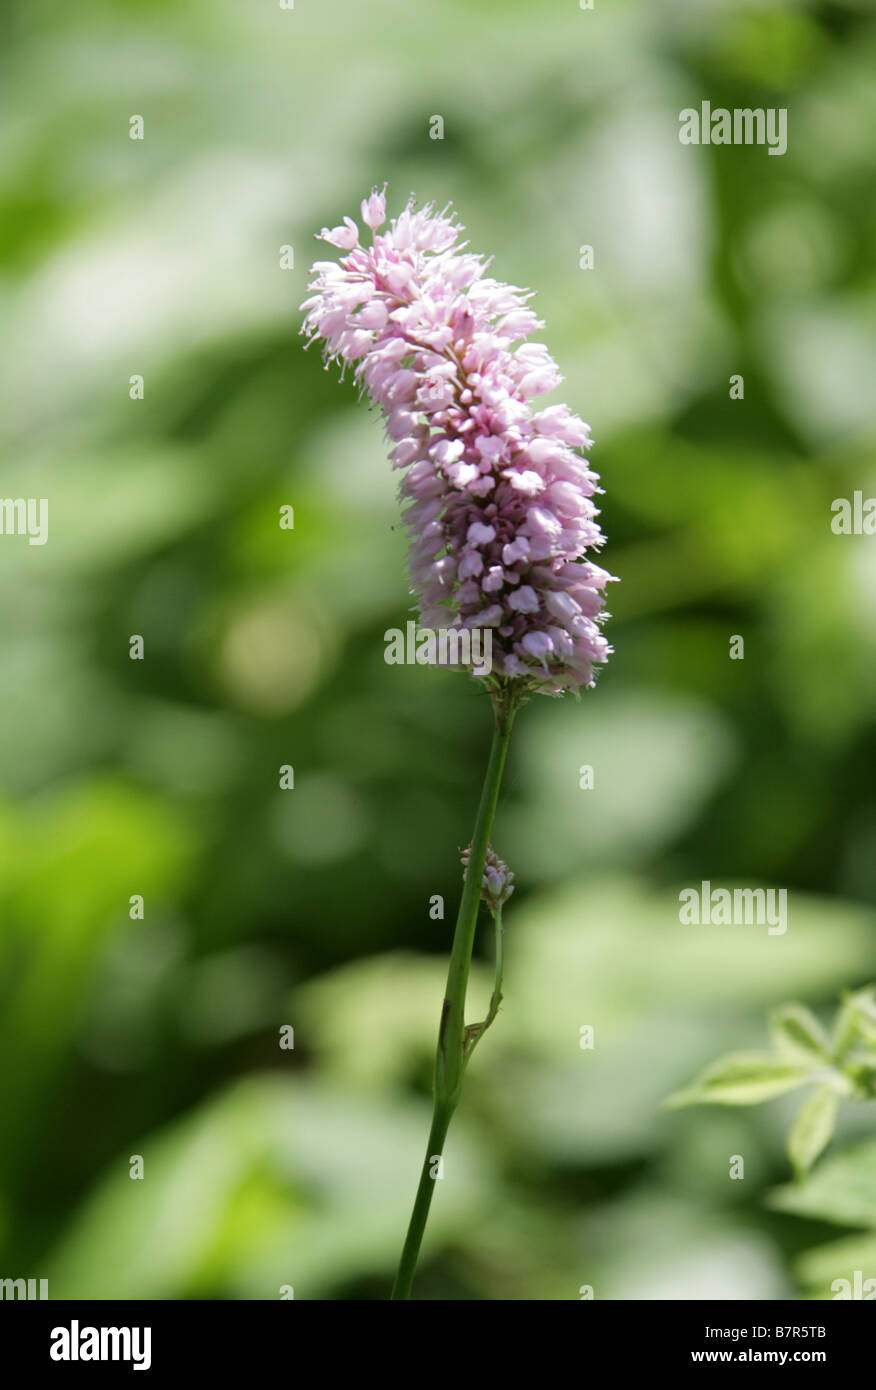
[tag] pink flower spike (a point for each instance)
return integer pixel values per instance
(497, 498)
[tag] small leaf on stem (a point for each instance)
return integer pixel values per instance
(743, 1078)
(797, 1034)
(812, 1130)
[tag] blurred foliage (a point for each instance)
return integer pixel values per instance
(263, 647)
(839, 1063)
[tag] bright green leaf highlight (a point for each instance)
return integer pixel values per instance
(813, 1128)
(743, 1078)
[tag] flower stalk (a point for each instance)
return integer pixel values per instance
(456, 1040)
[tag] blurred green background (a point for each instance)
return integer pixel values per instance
(264, 647)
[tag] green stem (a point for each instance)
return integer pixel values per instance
(450, 1058)
(441, 1117)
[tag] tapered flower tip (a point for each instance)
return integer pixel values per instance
(497, 884)
(374, 209)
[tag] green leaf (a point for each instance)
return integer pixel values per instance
(867, 1029)
(743, 1078)
(863, 1058)
(812, 1130)
(844, 1268)
(797, 1033)
(864, 1001)
(858, 1008)
(859, 1069)
(842, 1189)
